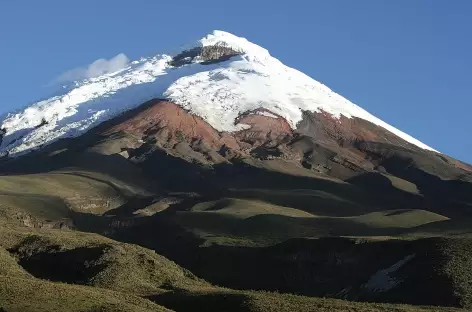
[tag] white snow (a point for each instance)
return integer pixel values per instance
(382, 281)
(267, 114)
(218, 93)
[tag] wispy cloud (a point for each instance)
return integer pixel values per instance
(97, 68)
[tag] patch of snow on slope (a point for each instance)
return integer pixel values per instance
(382, 281)
(218, 93)
(266, 114)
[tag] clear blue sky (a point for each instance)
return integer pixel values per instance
(407, 62)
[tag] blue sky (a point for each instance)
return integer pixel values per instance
(407, 62)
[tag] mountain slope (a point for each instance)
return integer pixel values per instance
(57, 270)
(219, 78)
(244, 172)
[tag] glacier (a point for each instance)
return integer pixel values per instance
(217, 92)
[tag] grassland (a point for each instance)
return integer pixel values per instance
(62, 270)
(32, 295)
(279, 234)
(259, 222)
(216, 300)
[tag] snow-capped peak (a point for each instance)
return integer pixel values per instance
(235, 42)
(249, 78)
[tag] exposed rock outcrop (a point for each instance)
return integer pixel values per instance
(321, 143)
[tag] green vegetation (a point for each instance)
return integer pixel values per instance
(90, 231)
(59, 191)
(95, 261)
(9, 267)
(258, 222)
(402, 184)
(32, 295)
(20, 291)
(241, 301)
(244, 209)
(76, 271)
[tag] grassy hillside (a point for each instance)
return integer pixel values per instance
(259, 222)
(32, 295)
(51, 196)
(63, 198)
(21, 291)
(165, 242)
(89, 259)
(62, 270)
(242, 301)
